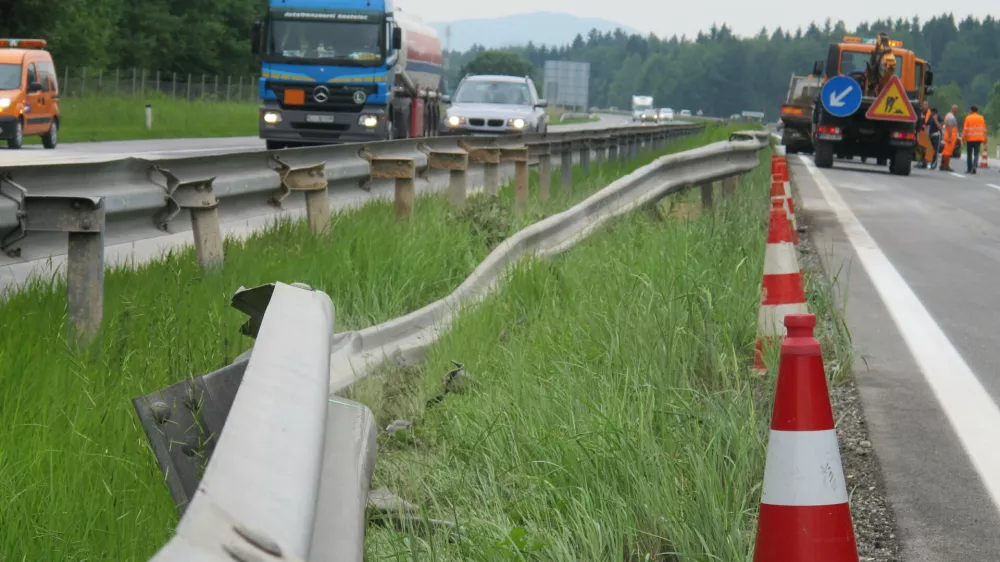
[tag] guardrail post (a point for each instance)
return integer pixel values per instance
(729, 186)
(544, 172)
(82, 219)
(457, 162)
(519, 156)
(707, 189)
(311, 180)
(489, 157)
(584, 154)
(625, 152)
(613, 147)
(600, 145)
(403, 170)
(566, 166)
(197, 196)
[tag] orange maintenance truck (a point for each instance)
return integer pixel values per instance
(29, 93)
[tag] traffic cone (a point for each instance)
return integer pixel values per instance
(778, 190)
(782, 290)
(982, 161)
(804, 511)
(782, 175)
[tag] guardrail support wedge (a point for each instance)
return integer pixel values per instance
(457, 162)
(489, 157)
(403, 170)
(566, 166)
(312, 181)
(197, 196)
(707, 190)
(519, 156)
(82, 219)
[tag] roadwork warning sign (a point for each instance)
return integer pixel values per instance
(892, 104)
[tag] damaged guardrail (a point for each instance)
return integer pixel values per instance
(288, 478)
(109, 209)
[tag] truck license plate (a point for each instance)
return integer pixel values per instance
(320, 118)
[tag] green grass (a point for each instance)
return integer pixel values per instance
(609, 411)
(76, 474)
(102, 118)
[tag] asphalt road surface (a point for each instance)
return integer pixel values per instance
(918, 259)
(179, 148)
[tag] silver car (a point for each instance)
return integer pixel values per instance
(494, 105)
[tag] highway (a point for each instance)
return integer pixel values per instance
(182, 148)
(919, 259)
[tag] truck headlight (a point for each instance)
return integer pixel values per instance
(4, 103)
(455, 120)
(517, 123)
(369, 121)
(272, 117)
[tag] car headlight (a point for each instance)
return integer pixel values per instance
(455, 120)
(4, 103)
(272, 117)
(369, 121)
(518, 123)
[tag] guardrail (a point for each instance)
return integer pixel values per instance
(160, 200)
(288, 479)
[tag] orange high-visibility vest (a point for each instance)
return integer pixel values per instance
(974, 128)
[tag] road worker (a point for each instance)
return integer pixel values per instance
(934, 127)
(949, 138)
(923, 138)
(974, 136)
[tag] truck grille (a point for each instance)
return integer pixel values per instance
(340, 97)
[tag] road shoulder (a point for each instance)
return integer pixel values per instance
(941, 508)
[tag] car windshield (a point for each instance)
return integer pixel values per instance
(10, 76)
(345, 42)
(489, 91)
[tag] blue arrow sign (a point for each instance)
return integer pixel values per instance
(841, 96)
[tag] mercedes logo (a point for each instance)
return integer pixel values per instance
(321, 93)
(360, 97)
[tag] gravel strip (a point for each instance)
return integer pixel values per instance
(874, 521)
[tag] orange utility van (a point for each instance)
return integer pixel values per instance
(29, 93)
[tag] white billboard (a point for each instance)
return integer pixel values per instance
(567, 83)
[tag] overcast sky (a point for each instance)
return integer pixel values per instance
(668, 17)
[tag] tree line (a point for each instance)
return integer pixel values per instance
(715, 71)
(722, 74)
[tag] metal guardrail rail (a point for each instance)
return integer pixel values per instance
(288, 478)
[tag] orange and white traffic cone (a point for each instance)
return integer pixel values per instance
(982, 161)
(804, 509)
(782, 291)
(778, 191)
(783, 176)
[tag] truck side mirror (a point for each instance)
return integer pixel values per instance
(397, 38)
(255, 37)
(929, 78)
(541, 103)
(34, 87)
(818, 68)
(446, 100)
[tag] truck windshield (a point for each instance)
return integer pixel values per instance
(488, 91)
(10, 76)
(349, 43)
(853, 61)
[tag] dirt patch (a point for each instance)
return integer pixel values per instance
(874, 520)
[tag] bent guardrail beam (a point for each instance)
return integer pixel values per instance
(258, 497)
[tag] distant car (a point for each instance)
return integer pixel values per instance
(685, 113)
(492, 105)
(666, 114)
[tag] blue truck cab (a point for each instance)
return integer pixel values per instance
(328, 73)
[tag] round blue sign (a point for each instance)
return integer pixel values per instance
(841, 96)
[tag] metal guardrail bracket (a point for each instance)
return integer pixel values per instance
(383, 167)
(513, 154)
(445, 160)
(182, 194)
(481, 154)
(182, 423)
(17, 233)
(63, 213)
(302, 178)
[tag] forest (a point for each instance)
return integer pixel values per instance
(716, 71)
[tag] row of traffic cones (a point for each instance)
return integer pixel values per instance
(804, 513)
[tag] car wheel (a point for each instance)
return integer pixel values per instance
(51, 138)
(18, 140)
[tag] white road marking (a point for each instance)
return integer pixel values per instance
(957, 175)
(994, 186)
(973, 415)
